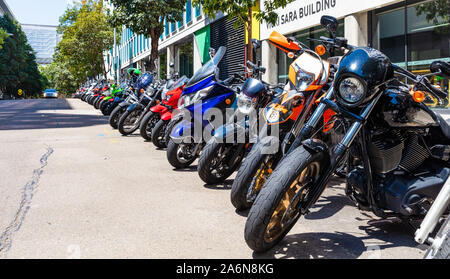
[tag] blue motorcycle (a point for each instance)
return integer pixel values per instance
(202, 93)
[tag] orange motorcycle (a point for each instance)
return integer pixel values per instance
(309, 78)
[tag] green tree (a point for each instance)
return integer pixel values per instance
(435, 11)
(86, 35)
(18, 67)
(147, 17)
(3, 36)
(241, 10)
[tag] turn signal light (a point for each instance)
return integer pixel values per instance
(142, 90)
(228, 101)
(418, 96)
(321, 50)
(291, 55)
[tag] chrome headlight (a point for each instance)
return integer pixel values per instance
(245, 104)
(352, 90)
(191, 99)
(303, 80)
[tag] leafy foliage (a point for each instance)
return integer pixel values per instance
(3, 36)
(241, 10)
(85, 40)
(79, 55)
(146, 17)
(18, 67)
(435, 10)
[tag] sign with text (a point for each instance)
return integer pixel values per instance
(302, 14)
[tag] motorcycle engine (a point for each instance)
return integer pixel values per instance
(402, 177)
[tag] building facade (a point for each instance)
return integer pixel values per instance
(185, 43)
(4, 9)
(43, 39)
(412, 33)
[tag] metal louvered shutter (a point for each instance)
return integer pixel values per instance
(223, 33)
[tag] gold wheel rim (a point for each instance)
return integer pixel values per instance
(285, 213)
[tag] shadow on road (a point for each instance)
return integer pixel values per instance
(24, 114)
(376, 235)
(336, 245)
(226, 185)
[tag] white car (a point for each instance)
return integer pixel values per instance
(50, 93)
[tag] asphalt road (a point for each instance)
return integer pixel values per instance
(71, 187)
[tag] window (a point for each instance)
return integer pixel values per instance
(413, 36)
(284, 62)
(198, 11)
(188, 11)
(166, 29)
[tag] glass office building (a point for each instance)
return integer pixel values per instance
(43, 39)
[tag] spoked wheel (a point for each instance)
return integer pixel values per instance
(219, 160)
(181, 155)
(277, 207)
(129, 122)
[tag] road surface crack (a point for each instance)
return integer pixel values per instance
(28, 192)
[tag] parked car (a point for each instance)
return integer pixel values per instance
(50, 93)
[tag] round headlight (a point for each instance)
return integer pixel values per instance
(352, 90)
(244, 104)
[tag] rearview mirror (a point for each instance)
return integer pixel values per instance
(440, 67)
(212, 52)
(171, 64)
(330, 23)
(256, 43)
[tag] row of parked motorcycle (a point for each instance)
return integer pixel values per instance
(357, 116)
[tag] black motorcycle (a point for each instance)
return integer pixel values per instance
(397, 147)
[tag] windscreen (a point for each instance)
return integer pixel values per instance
(209, 68)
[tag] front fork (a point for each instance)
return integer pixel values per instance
(341, 148)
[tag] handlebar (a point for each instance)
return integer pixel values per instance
(422, 81)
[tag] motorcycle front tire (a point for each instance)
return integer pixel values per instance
(172, 156)
(158, 134)
(272, 198)
(209, 153)
(115, 116)
(121, 124)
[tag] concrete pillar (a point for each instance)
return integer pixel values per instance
(356, 29)
(170, 58)
(269, 61)
(197, 57)
(177, 59)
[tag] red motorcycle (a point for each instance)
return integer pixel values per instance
(155, 123)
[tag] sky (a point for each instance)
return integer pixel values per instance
(45, 12)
